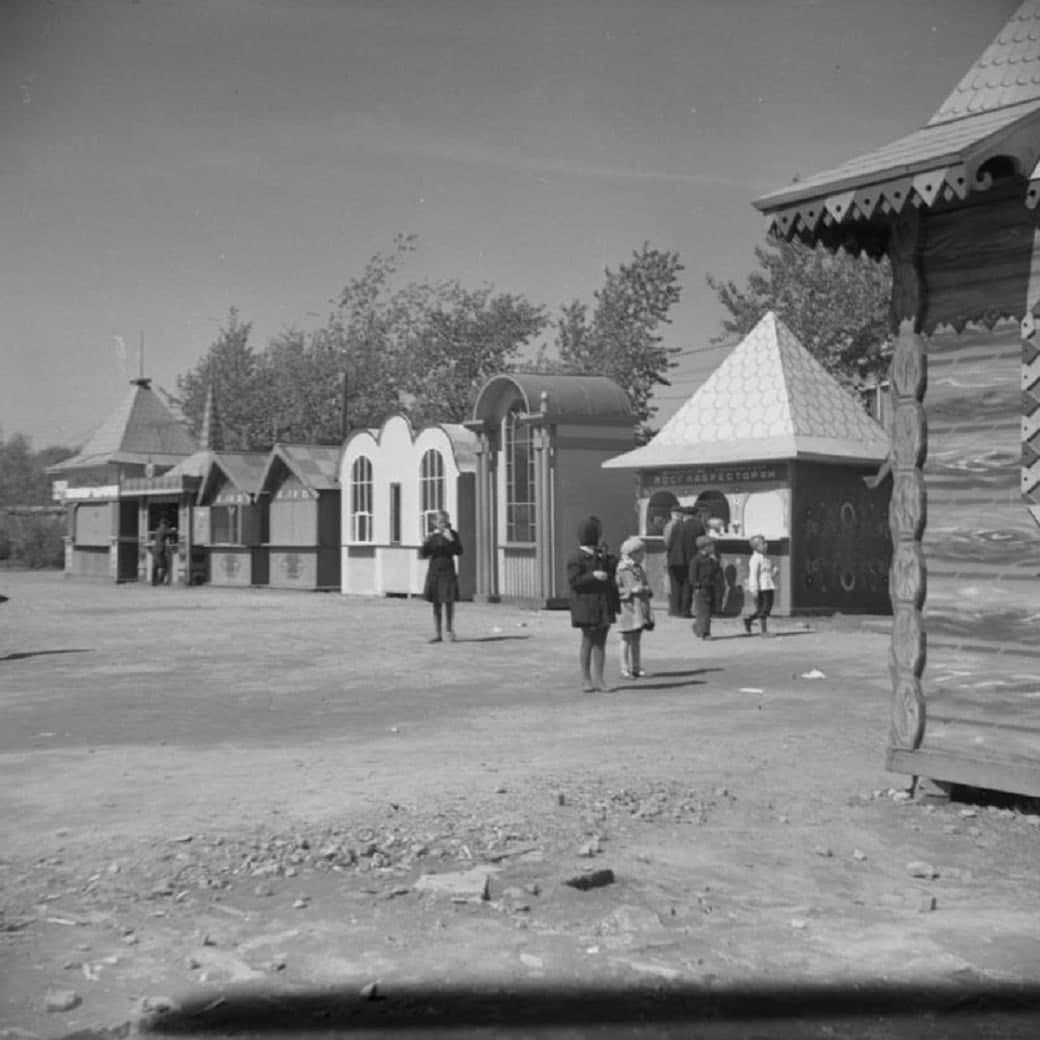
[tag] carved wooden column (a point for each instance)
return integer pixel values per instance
(1030, 472)
(908, 512)
(481, 511)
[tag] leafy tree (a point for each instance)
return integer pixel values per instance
(23, 471)
(29, 532)
(468, 337)
(369, 331)
(622, 339)
(234, 370)
(422, 348)
(302, 376)
(837, 305)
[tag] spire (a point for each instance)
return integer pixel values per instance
(211, 437)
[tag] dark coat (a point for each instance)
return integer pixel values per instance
(683, 546)
(594, 603)
(705, 571)
(441, 582)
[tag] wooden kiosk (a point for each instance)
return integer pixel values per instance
(954, 207)
(540, 442)
(231, 519)
(789, 468)
(394, 480)
(301, 492)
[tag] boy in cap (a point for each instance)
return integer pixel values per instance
(704, 575)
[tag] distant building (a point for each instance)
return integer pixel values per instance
(141, 439)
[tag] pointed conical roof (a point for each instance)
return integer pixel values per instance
(769, 399)
(141, 430)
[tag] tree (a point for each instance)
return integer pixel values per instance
(622, 339)
(837, 305)
(233, 369)
(469, 336)
(23, 471)
(30, 533)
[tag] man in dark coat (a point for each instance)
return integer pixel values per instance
(684, 549)
(677, 570)
(161, 553)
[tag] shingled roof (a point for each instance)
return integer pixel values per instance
(141, 430)
(993, 111)
(770, 399)
(316, 466)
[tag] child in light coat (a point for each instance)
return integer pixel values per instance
(636, 613)
(761, 583)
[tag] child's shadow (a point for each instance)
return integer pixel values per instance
(653, 682)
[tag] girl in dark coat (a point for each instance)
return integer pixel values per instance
(442, 584)
(591, 572)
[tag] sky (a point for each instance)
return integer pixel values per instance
(162, 161)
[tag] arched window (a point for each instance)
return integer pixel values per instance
(659, 512)
(431, 489)
(518, 448)
(361, 500)
(713, 504)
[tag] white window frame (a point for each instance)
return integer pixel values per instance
(361, 495)
(431, 489)
(514, 505)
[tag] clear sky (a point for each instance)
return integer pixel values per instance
(163, 160)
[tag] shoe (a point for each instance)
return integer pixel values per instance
(588, 688)
(640, 674)
(747, 625)
(436, 639)
(451, 637)
(604, 689)
(626, 674)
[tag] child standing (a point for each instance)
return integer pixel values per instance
(442, 584)
(761, 583)
(593, 600)
(636, 614)
(704, 576)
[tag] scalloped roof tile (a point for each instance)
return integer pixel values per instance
(1001, 88)
(769, 399)
(1006, 73)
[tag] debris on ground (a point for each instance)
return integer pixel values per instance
(591, 879)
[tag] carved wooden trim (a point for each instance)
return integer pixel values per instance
(1030, 463)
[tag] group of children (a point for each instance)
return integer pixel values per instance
(605, 589)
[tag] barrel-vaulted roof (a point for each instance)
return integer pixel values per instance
(770, 399)
(141, 430)
(563, 398)
(993, 112)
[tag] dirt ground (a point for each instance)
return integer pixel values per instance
(221, 810)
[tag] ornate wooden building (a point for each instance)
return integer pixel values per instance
(954, 207)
